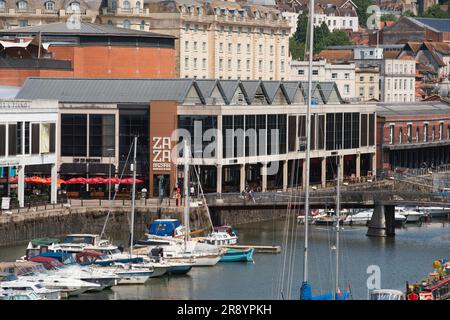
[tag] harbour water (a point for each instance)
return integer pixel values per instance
(407, 257)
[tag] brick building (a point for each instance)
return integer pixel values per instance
(413, 135)
(91, 51)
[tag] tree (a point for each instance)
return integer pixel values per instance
(435, 11)
(362, 5)
(408, 13)
(296, 49)
(337, 38)
(302, 28)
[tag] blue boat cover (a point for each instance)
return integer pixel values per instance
(306, 294)
(63, 257)
(164, 228)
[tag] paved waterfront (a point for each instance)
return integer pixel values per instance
(407, 257)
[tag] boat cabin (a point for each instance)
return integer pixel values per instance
(63, 257)
(387, 294)
(227, 229)
(20, 268)
(164, 227)
(92, 239)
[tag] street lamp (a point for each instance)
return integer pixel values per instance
(109, 150)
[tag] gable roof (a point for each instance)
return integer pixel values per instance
(434, 24)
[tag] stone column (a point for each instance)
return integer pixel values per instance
(382, 223)
(264, 177)
(324, 172)
(21, 185)
(242, 177)
(358, 165)
(219, 179)
(54, 184)
(285, 175)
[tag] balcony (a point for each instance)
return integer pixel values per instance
(126, 12)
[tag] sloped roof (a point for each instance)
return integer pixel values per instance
(413, 108)
(143, 91)
(250, 88)
(84, 90)
(86, 28)
(435, 24)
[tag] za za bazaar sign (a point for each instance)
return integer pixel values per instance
(161, 150)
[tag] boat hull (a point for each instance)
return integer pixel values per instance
(238, 256)
(179, 269)
(133, 279)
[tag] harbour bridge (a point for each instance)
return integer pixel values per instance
(382, 195)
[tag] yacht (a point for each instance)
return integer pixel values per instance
(129, 273)
(363, 218)
(37, 288)
(19, 295)
(410, 214)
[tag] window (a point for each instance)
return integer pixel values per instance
(260, 49)
(441, 131)
(49, 5)
(186, 63)
(221, 47)
(391, 134)
(230, 29)
(248, 65)
(73, 135)
(417, 134)
(22, 5)
(271, 50)
(433, 134)
(126, 4)
(347, 89)
(195, 45)
(372, 91)
(23, 23)
(239, 65)
(248, 48)
(204, 46)
(282, 50)
(75, 6)
(334, 76)
(142, 26)
(361, 79)
(195, 63)
(2, 140)
(282, 66)
(222, 29)
(425, 133)
(138, 5)
(400, 135)
(230, 47)
(301, 72)
(260, 65)
(204, 64)
(127, 24)
(371, 79)
(238, 48)
(347, 76)
(2, 4)
(315, 72)
(101, 135)
(220, 64)
(271, 65)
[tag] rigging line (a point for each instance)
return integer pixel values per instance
(203, 197)
(115, 193)
(285, 253)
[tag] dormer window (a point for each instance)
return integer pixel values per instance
(22, 5)
(2, 4)
(218, 11)
(74, 6)
(49, 5)
(200, 11)
(126, 4)
(127, 24)
(138, 4)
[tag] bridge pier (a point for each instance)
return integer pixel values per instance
(382, 223)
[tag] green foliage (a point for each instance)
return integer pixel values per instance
(388, 17)
(435, 11)
(362, 5)
(408, 13)
(322, 38)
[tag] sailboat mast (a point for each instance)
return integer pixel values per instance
(338, 215)
(308, 138)
(133, 195)
(186, 193)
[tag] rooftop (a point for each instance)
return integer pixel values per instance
(412, 108)
(182, 90)
(84, 28)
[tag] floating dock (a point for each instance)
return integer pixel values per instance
(258, 249)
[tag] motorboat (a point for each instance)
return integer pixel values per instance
(410, 214)
(129, 273)
(221, 236)
(435, 212)
(19, 295)
(20, 285)
(363, 218)
(162, 232)
(72, 286)
(387, 294)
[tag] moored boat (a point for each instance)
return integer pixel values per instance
(235, 255)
